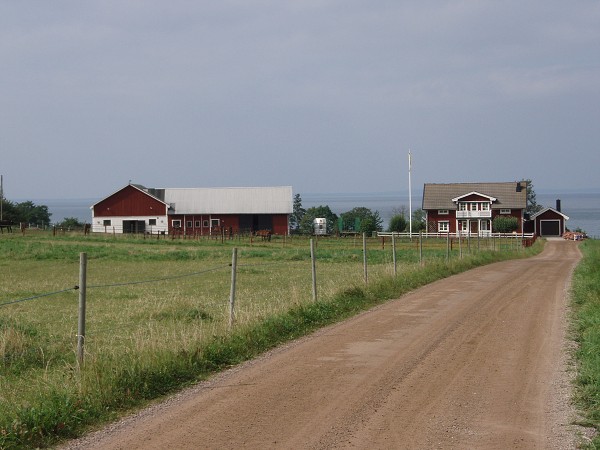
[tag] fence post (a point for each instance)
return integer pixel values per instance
(448, 246)
(314, 270)
(459, 246)
(366, 275)
(232, 291)
(394, 254)
(82, 295)
(421, 247)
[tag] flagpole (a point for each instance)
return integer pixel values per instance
(409, 196)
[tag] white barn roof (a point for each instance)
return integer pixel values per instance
(229, 200)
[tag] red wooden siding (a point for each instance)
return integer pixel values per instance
(549, 216)
(280, 224)
(129, 201)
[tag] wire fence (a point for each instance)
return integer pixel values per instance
(264, 278)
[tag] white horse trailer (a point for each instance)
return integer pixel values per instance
(320, 226)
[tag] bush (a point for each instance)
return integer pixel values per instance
(505, 224)
(397, 224)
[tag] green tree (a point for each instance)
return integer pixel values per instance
(306, 223)
(532, 205)
(297, 214)
(370, 221)
(27, 212)
(70, 223)
(397, 223)
(418, 220)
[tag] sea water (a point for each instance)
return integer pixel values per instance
(582, 208)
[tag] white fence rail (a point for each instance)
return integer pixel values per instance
(481, 234)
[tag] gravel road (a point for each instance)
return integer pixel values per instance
(477, 360)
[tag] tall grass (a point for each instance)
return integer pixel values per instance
(586, 327)
(146, 340)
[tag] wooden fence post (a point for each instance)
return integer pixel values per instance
(366, 275)
(394, 254)
(232, 291)
(314, 270)
(82, 299)
(421, 247)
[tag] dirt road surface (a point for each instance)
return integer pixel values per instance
(473, 361)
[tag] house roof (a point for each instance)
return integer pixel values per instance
(227, 200)
(511, 195)
(539, 213)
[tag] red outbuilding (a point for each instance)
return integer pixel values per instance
(194, 211)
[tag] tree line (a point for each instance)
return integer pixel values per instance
(359, 219)
(29, 213)
(364, 220)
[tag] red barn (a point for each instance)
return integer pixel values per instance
(198, 211)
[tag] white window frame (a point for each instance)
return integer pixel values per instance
(107, 222)
(215, 223)
(485, 206)
(443, 212)
(176, 223)
(505, 211)
(443, 226)
(462, 206)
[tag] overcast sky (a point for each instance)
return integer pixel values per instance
(323, 95)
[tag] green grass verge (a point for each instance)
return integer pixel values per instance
(586, 329)
(107, 387)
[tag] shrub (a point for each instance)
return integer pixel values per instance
(505, 224)
(397, 223)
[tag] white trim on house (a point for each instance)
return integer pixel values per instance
(492, 199)
(539, 213)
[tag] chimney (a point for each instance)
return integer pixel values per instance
(558, 204)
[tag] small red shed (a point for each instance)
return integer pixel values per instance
(549, 222)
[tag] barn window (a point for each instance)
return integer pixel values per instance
(106, 223)
(176, 224)
(151, 221)
(188, 224)
(205, 224)
(197, 224)
(215, 223)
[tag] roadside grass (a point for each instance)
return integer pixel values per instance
(586, 329)
(147, 339)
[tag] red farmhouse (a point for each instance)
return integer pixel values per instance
(472, 207)
(196, 211)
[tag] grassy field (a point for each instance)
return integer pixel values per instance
(158, 314)
(586, 332)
